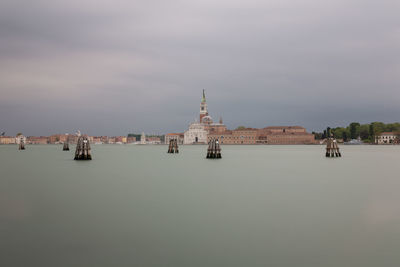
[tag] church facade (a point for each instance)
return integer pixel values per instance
(198, 131)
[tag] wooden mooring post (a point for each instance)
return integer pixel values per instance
(66, 146)
(214, 150)
(83, 151)
(173, 146)
(332, 148)
(21, 145)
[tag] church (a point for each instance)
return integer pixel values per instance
(198, 131)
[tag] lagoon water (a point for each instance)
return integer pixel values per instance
(257, 206)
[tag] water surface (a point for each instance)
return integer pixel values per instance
(257, 206)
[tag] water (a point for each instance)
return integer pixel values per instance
(257, 206)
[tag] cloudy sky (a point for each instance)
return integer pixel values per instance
(119, 66)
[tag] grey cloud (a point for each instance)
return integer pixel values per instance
(109, 67)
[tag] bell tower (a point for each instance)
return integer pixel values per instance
(203, 107)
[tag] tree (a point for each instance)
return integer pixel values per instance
(354, 130)
(240, 128)
(364, 132)
(344, 136)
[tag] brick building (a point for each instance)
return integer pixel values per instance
(177, 136)
(7, 140)
(37, 140)
(278, 135)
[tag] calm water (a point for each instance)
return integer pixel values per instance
(257, 206)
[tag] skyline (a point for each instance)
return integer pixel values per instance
(130, 66)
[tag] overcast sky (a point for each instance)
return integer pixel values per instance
(119, 66)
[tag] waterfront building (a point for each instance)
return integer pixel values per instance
(131, 139)
(143, 139)
(277, 135)
(245, 136)
(7, 140)
(20, 138)
(387, 138)
(174, 136)
(58, 138)
(155, 140)
(197, 132)
(285, 135)
(37, 140)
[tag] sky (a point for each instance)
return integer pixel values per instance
(126, 66)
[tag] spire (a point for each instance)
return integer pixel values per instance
(220, 120)
(203, 100)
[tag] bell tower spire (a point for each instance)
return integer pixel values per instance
(203, 107)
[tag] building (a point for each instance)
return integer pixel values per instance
(20, 138)
(37, 140)
(7, 140)
(285, 135)
(120, 139)
(131, 139)
(174, 136)
(387, 138)
(154, 140)
(277, 135)
(143, 139)
(197, 132)
(245, 136)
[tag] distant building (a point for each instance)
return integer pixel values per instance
(387, 138)
(20, 138)
(131, 139)
(278, 135)
(155, 140)
(285, 135)
(246, 136)
(58, 138)
(143, 139)
(120, 139)
(37, 140)
(7, 140)
(198, 131)
(196, 134)
(174, 136)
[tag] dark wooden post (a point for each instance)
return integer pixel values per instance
(173, 146)
(66, 146)
(332, 148)
(83, 151)
(21, 145)
(214, 150)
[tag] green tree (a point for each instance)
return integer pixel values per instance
(364, 132)
(240, 128)
(354, 130)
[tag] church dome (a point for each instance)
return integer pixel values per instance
(207, 119)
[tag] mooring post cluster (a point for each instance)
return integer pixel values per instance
(332, 148)
(214, 150)
(21, 145)
(173, 146)
(66, 146)
(83, 151)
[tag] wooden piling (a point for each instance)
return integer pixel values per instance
(332, 148)
(21, 145)
(66, 146)
(173, 146)
(214, 150)
(83, 151)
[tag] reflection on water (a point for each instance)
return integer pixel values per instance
(257, 206)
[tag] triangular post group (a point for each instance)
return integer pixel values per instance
(173, 146)
(214, 150)
(83, 151)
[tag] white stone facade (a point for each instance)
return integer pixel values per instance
(195, 134)
(385, 138)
